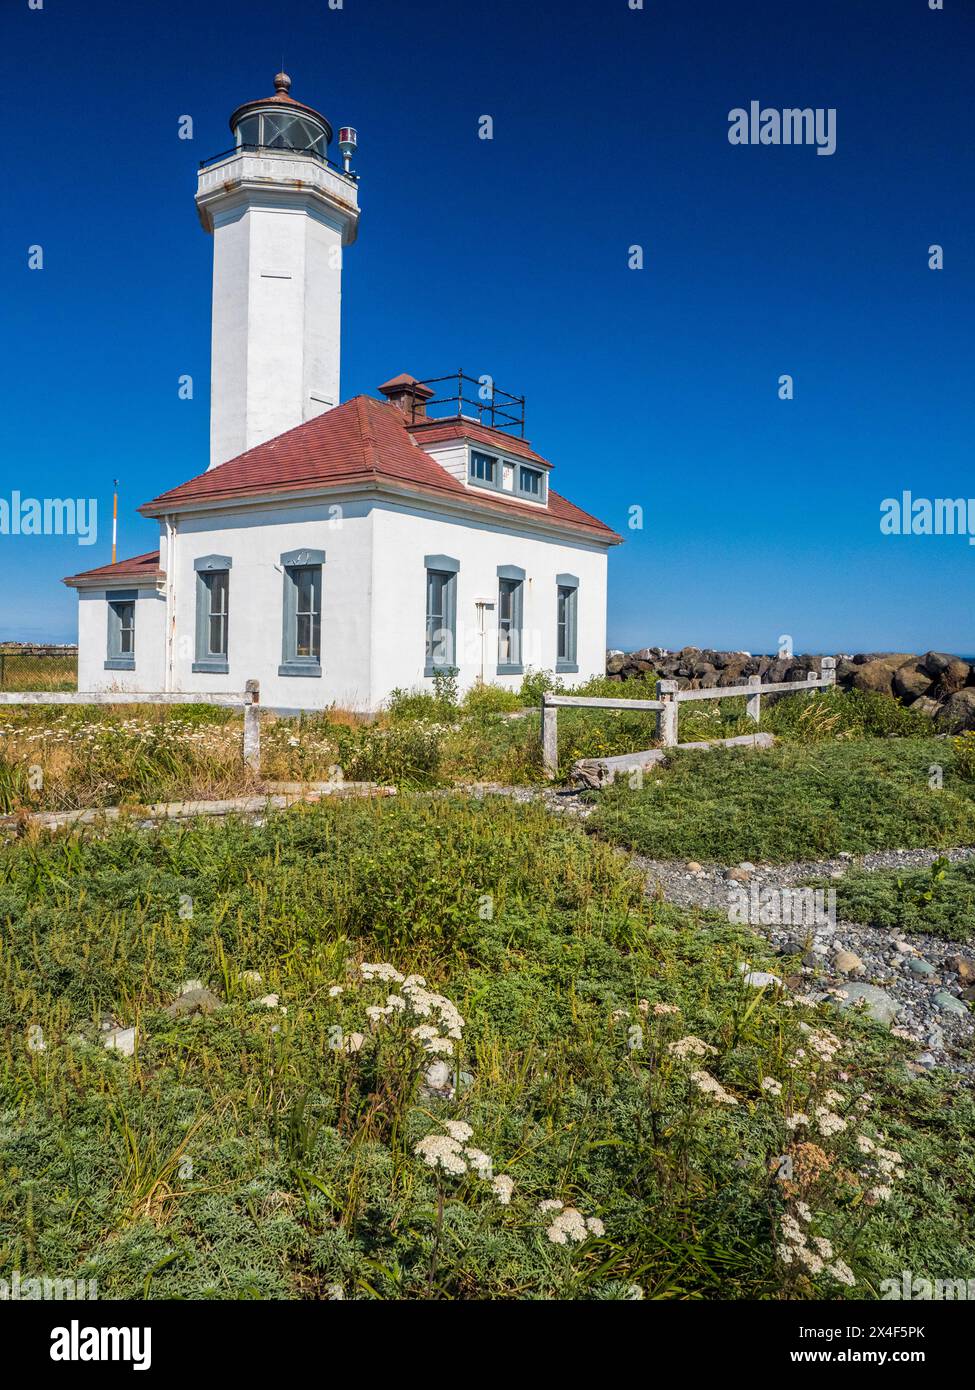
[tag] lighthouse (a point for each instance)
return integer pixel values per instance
(280, 214)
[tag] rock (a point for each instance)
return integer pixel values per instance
(950, 672)
(693, 867)
(758, 979)
(963, 967)
(188, 986)
(250, 977)
(748, 868)
(910, 681)
(878, 674)
(848, 964)
(949, 1004)
(959, 711)
(120, 1040)
(927, 1060)
(924, 704)
(737, 875)
(917, 965)
(877, 1004)
(194, 1001)
(615, 664)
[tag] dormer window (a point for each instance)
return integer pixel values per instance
(484, 469)
(506, 475)
(530, 481)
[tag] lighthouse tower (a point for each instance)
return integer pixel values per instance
(280, 214)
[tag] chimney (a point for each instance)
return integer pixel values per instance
(408, 394)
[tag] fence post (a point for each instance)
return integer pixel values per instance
(829, 671)
(252, 727)
(753, 705)
(667, 717)
(550, 737)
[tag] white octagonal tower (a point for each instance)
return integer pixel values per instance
(280, 214)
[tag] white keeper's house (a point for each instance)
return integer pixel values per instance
(335, 551)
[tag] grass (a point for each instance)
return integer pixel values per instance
(257, 1153)
(939, 900)
(23, 672)
(794, 802)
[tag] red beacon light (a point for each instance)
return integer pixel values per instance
(348, 144)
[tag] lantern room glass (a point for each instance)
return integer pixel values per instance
(282, 130)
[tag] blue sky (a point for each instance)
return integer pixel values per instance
(655, 388)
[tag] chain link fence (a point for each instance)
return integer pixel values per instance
(38, 668)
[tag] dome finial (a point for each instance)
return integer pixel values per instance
(282, 84)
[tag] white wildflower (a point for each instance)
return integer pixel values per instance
(458, 1129)
(503, 1187)
(691, 1047)
(443, 1152)
(770, 1084)
(709, 1086)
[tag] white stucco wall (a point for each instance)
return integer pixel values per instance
(403, 536)
(373, 604)
(255, 540)
(150, 640)
(276, 322)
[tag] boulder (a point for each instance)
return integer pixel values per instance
(878, 674)
(193, 1001)
(615, 664)
(959, 711)
(911, 681)
(874, 1001)
(950, 672)
(846, 963)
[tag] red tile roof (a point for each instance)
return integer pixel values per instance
(365, 441)
(436, 431)
(139, 567)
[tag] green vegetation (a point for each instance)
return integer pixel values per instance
(794, 802)
(269, 1149)
(939, 900)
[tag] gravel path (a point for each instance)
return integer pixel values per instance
(917, 984)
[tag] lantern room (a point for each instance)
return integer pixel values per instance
(281, 123)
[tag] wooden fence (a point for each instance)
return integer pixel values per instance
(249, 700)
(669, 699)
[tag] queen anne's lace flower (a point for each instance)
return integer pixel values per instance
(841, 1272)
(710, 1086)
(691, 1047)
(381, 970)
(771, 1085)
(443, 1152)
(503, 1187)
(458, 1129)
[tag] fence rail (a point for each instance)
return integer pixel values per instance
(248, 699)
(669, 698)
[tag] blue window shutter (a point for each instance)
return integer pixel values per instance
(207, 568)
(293, 564)
(120, 651)
(511, 584)
(440, 627)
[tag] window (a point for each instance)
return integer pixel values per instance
(280, 130)
(566, 622)
(531, 481)
(511, 581)
(301, 650)
(441, 614)
(484, 469)
(212, 613)
(120, 655)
